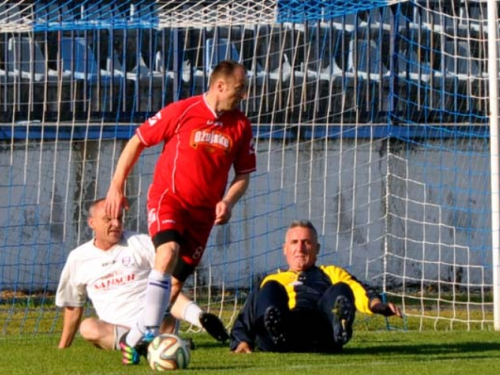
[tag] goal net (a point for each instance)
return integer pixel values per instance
(370, 119)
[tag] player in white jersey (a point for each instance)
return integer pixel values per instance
(112, 271)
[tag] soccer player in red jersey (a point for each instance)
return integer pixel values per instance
(203, 137)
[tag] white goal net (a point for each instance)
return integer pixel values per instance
(371, 119)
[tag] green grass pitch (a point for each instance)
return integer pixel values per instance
(369, 352)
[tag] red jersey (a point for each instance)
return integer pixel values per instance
(199, 150)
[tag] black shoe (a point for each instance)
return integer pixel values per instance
(214, 326)
(343, 313)
(273, 321)
(142, 346)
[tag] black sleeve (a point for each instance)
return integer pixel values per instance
(243, 328)
(371, 292)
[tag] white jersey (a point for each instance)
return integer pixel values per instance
(114, 280)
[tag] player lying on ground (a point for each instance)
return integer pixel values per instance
(112, 271)
(307, 308)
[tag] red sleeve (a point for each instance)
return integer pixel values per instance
(246, 161)
(158, 128)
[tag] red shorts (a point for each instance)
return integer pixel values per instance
(194, 225)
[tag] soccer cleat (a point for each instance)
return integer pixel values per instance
(130, 356)
(343, 313)
(214, 327)
(142, 346)
(273, 322)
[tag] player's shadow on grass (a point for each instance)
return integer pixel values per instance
(380, 348)
(424, 349)
(203, 344)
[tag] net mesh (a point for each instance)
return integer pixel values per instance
(370, 119)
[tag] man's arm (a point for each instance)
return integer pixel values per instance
(224, 208)
(242, 336)
(71, 322)
(367, 299)
(115, 199)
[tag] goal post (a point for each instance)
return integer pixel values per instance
(494, 152)
(376, 120)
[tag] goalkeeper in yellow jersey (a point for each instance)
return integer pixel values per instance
(307, 308)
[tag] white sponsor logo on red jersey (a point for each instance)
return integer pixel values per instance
(210, 138)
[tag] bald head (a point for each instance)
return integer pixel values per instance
(226, 69)
(228, 86)
(107, 231)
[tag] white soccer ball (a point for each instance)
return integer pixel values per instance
(168, 352)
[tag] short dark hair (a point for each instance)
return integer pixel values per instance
(225, 68)
(304, 224)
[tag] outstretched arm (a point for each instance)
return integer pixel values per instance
(71, 321)
(223, 209)
(115, 199)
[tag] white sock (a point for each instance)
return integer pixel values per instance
(119, 332)
(155, 304)
(192, 313)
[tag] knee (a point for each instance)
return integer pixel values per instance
(272, 293)
(166, 255)
(175, 289)
(342, 289)
(273, 287)
(88, 329)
